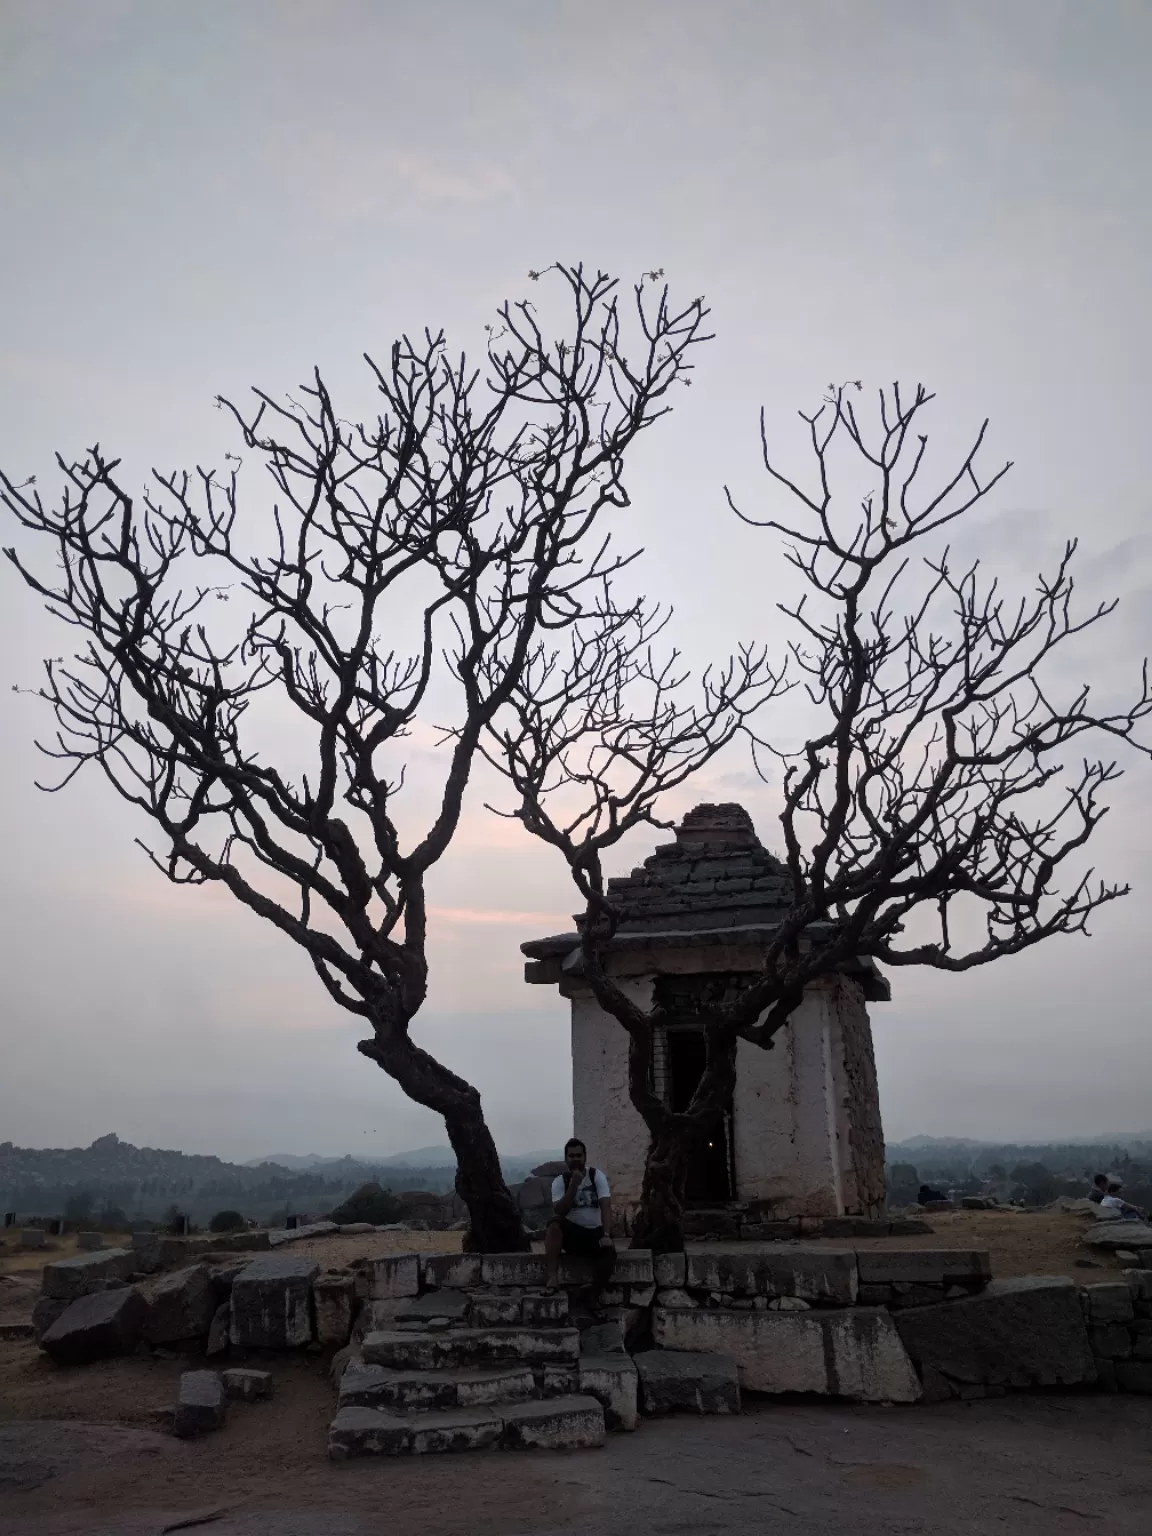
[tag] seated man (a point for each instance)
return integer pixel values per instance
(1113, 1201)
(583, 1214)
(1099, 1188)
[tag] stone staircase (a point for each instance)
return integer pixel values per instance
(494, 1367)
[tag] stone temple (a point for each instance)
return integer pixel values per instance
(802, 1136)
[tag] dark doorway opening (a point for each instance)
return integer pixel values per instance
(710, 1172)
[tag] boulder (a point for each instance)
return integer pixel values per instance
(334, 1298)
(97, 1326)
(1109, 1302)
(687, 1381)
(90, 1242)
(272, 1303)
(65, 1279)
(853, 1353)
(1019, 1332)
(180, 1306)
(814, 1274)
(1119, 1234)
(33, 1237)
(200, 1405)
(247, 1385)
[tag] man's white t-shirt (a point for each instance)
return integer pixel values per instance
(585, 1210)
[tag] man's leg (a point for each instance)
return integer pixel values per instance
(603, 1264)
(553, 1246)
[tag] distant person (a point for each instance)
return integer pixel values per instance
(1099, 1188)
(582, 1207)
(1112, 1201)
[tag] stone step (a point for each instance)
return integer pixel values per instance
(562, 1423)
(471, 1346)
(409, 1391)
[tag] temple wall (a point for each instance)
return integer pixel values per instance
(806, 1119)
(603, 1114)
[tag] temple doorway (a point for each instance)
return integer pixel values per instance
(710, 1177)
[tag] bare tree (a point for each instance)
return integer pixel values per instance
(927, 819)
(406, 569)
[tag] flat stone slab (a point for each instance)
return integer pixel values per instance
(66, 1279)
(313, 1229)
(247, 1385)
(455, 1271)
(924, 1266)
(815, 1274)
(612, 1380)
(452, 1305)
(200, 1405)
(272, 1302)
(455, 1429)
(367, 1432)
(409, 1391)
(1015, 1333)
(96, 1327)
(855, 1352)
(471, 1346)
(633, 1267)
(1119, 1234)
(395, 1276)
(687, 1381)
(556, 1424)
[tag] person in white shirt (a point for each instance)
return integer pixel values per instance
(582, 1207)
(1113, 1201)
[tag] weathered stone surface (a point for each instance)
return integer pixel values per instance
(1110, 1341)
(602, 1339)
(471, 1346)
(513, 1269)
(1118, 1234)
(96, 1326)
(612, 1381)
(687, 1381)
(559, 1380)
(1018, 1332)
(296, 1234)
(492, 1311)
(394, 1276)
(200, 1406)
(66, 1279)
(247, 1385)
(854, 1353)
(478, 1388)
(558, 1423)
(218, 1330)
(334, 1299)
(924, 1266)
(815, 1274)
(33, 1237)
(633, 1267)
(90, 1242)
(354, 1228)
(1134, 1376)
(367, 1432)
(180, 1306)
(788, 1304)
(1110, 1302)
(537, 1311)
(45, 1313)
(452, 1305)
(454, 1429)
(398, 1391)
(668, 1269)
(673, 1296)
(272, 1302)
(456, 1271)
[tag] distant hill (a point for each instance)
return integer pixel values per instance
(144, 1182)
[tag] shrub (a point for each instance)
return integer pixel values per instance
(227, 1221)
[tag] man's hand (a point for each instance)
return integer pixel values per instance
(574, 1181)
(605, 1241)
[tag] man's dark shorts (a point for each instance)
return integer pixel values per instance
(583, 1242)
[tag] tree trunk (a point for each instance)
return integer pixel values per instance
(659, 1224)
(493, 1213)
(494, 1216)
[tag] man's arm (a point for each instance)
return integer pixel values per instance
(606, 1218)
(567, 1200)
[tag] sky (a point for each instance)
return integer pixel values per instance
(197, 198)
